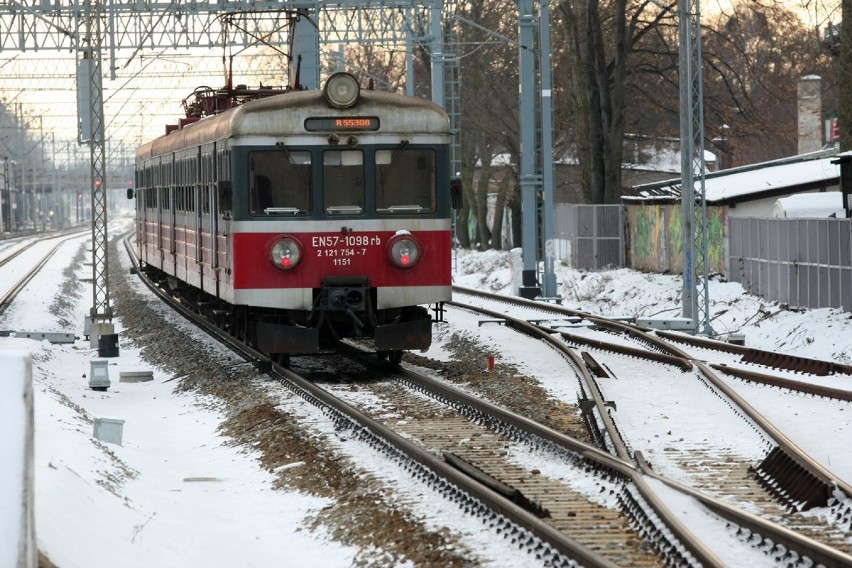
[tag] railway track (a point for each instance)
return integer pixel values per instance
(804, 365)
(783, 483)
(462, 447)
(17, 280)
(552, 546)
(512, 451)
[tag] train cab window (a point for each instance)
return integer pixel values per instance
(405, 181)
(280, 182)
(343, 182)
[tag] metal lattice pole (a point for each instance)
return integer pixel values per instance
(696, 302)
(92, 133)
(529, 182)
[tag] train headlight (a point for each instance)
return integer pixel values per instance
(341, 90)
(285, 253)
(403, 250)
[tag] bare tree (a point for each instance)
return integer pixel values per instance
(600, 37)
(754, 58)
(374, 65)
(845, 78)
(621, 62)
(489, 112)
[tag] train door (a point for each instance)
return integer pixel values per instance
(141, 209)
(171, 200)
(208, 238)
(206, 177)
(180, 231)
(149, 205)
(139, 226)
(167, 218)
(161, 226)
(194, 256)
(223, 190)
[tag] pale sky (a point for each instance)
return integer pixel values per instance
(138, 110)
(820, 12)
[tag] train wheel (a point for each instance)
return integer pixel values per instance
(395, 357)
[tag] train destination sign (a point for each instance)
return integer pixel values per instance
(330, 123)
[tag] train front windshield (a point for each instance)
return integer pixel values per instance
(280, 182)
(404, 181)
(343, 182)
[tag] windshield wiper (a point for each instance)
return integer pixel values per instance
(402, 209)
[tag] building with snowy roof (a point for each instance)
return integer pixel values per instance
(654, 210)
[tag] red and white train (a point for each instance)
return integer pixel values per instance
(303, 217)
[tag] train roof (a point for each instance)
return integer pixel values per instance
(284, 114)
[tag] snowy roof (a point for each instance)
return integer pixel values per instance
(812, 205)
(806, 172)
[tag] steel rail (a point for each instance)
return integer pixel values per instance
(819, 553)
(618, 464)
(790, 451)
(790, 384)
(495, 502)
(28, 246)
(678, 361)
(498, 503)
(7, 298)
(17, 253)
(543, 334)
(636, 332)
(477, 490)
(763, 357)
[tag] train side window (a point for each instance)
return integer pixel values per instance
(280, 182)
(405, 180)
(343, 182)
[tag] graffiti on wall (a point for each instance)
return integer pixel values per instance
(716, 239)
(646, 236)
(657, 237)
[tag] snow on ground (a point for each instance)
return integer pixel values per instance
(821, 334)
(824, 334)
(176, 494)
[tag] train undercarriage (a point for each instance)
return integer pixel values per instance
(342, 309)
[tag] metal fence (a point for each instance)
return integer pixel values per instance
(805, 263)
(589, 237)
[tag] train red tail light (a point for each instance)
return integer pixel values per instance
(285, 253)
(403, 250)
